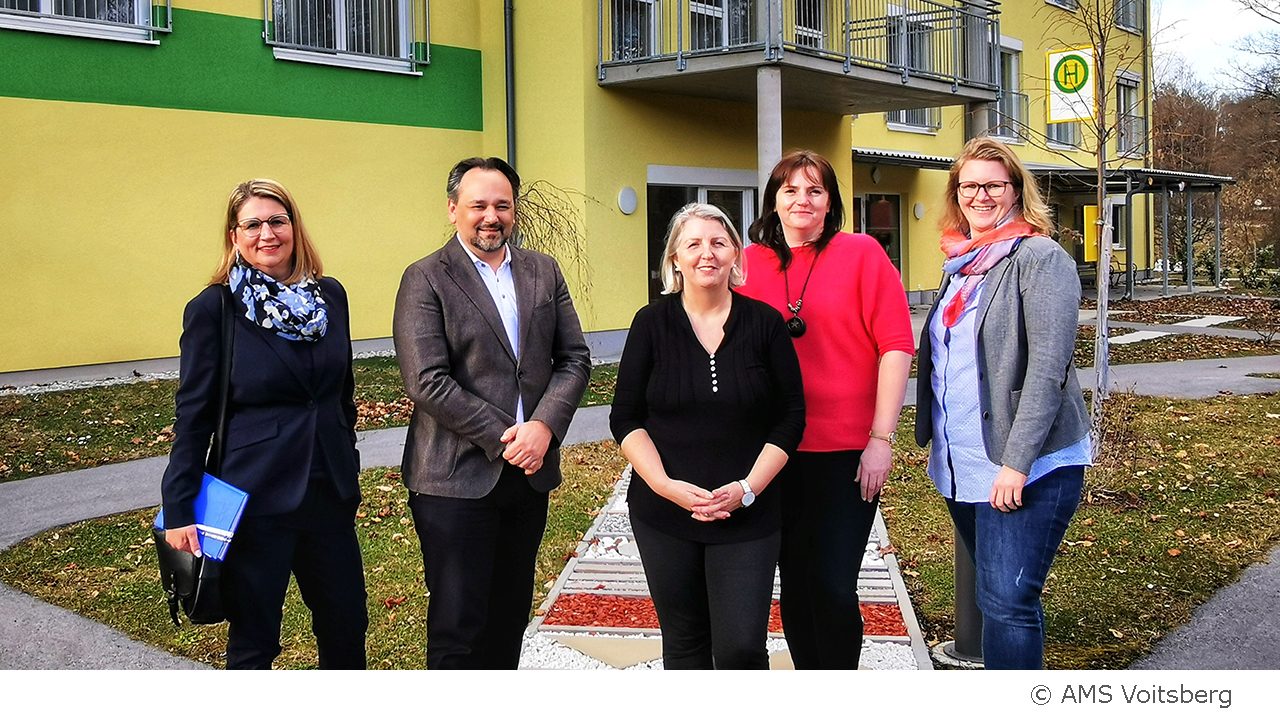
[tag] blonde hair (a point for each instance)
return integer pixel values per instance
(672, 282)
(1030, 202)
(306, 261)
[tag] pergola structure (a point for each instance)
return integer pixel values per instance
(1143, 180)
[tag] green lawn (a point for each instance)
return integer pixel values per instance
(105, 569)
(1184, 498)
(73, 429)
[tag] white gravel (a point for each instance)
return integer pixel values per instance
(543, 652)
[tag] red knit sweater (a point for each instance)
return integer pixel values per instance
(855, 311)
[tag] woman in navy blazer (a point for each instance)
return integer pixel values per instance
(290, 440)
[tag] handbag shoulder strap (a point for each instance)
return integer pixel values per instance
(218, 444)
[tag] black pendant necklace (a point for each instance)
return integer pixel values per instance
(795, 325)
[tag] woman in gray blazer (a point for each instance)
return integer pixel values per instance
(998, 394)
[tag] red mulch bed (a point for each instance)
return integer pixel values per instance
(587, 610)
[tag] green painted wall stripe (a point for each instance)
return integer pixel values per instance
(219, 63)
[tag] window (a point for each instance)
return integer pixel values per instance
(1010, 119)
(1064, 133)
(1065, 4)
(928, 119)
(1131, 14)
(739, 203)
(104, 19)
(718, 24)
(811, 23)
(370, 34)
(633, 24)
(880, 216)
(1132, 123)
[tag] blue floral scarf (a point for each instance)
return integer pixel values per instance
(294, 312)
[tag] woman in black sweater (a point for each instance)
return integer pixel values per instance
(708, 406)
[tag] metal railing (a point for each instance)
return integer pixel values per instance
(925, 118)
(1063, 133)
(1009, 115)
(153, 17)
(956, 41)
(1132, 136)
(369, 28)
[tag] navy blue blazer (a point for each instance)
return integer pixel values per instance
(291, 405)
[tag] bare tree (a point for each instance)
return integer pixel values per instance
(1117, 53)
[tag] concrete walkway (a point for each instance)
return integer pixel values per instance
(34, 634)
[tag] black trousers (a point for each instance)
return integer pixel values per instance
(825, 527)
(478, 556)
(317, 544)
(712, 599)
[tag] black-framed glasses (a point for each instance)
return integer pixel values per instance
(995, 189)
(252, 227)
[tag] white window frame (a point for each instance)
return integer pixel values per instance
(902, 121)
(1129, 83)
(47, 21)
(405, 64)
(1010, 87)
(1059, 144)
(1071, 5)
(1137, 14)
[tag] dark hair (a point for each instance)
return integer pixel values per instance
(474, 163)
(767, 229)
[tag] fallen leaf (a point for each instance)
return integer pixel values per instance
(1174, 552)
(1116, 633)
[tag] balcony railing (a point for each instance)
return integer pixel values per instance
(1132, 137)
(954, 41)
(1009, 116)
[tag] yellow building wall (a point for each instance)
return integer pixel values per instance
(117, 235)
(115, 211)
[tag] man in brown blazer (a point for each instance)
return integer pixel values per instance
(492, 355)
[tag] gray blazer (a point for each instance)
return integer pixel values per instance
(462, 374)
(1027, 317)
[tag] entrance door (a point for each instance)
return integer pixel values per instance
(880, 216)
(664, 201)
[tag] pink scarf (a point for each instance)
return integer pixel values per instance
(973, 255)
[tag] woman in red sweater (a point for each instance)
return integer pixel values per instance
(844, 306)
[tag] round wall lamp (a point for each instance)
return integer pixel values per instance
(918, 210)
(627, 200)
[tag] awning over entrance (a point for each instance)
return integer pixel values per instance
(902, 158)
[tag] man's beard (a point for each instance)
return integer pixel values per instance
(484, 244)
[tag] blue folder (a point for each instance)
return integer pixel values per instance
(218, 509)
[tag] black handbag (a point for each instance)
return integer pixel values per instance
(191, 582)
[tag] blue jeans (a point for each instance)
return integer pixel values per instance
(1012, 552)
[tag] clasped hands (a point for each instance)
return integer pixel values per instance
(527, 444)
(703, 505)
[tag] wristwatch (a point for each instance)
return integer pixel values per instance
(889, 438)
(748, 496)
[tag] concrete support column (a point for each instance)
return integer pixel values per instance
(977, 119)
(1189, 264)
(768, 122)
(1217, 237)
(1164, 241)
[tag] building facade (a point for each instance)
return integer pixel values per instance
(127, 124)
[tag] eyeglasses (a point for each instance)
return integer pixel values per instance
(252, 227)
(995, 189)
